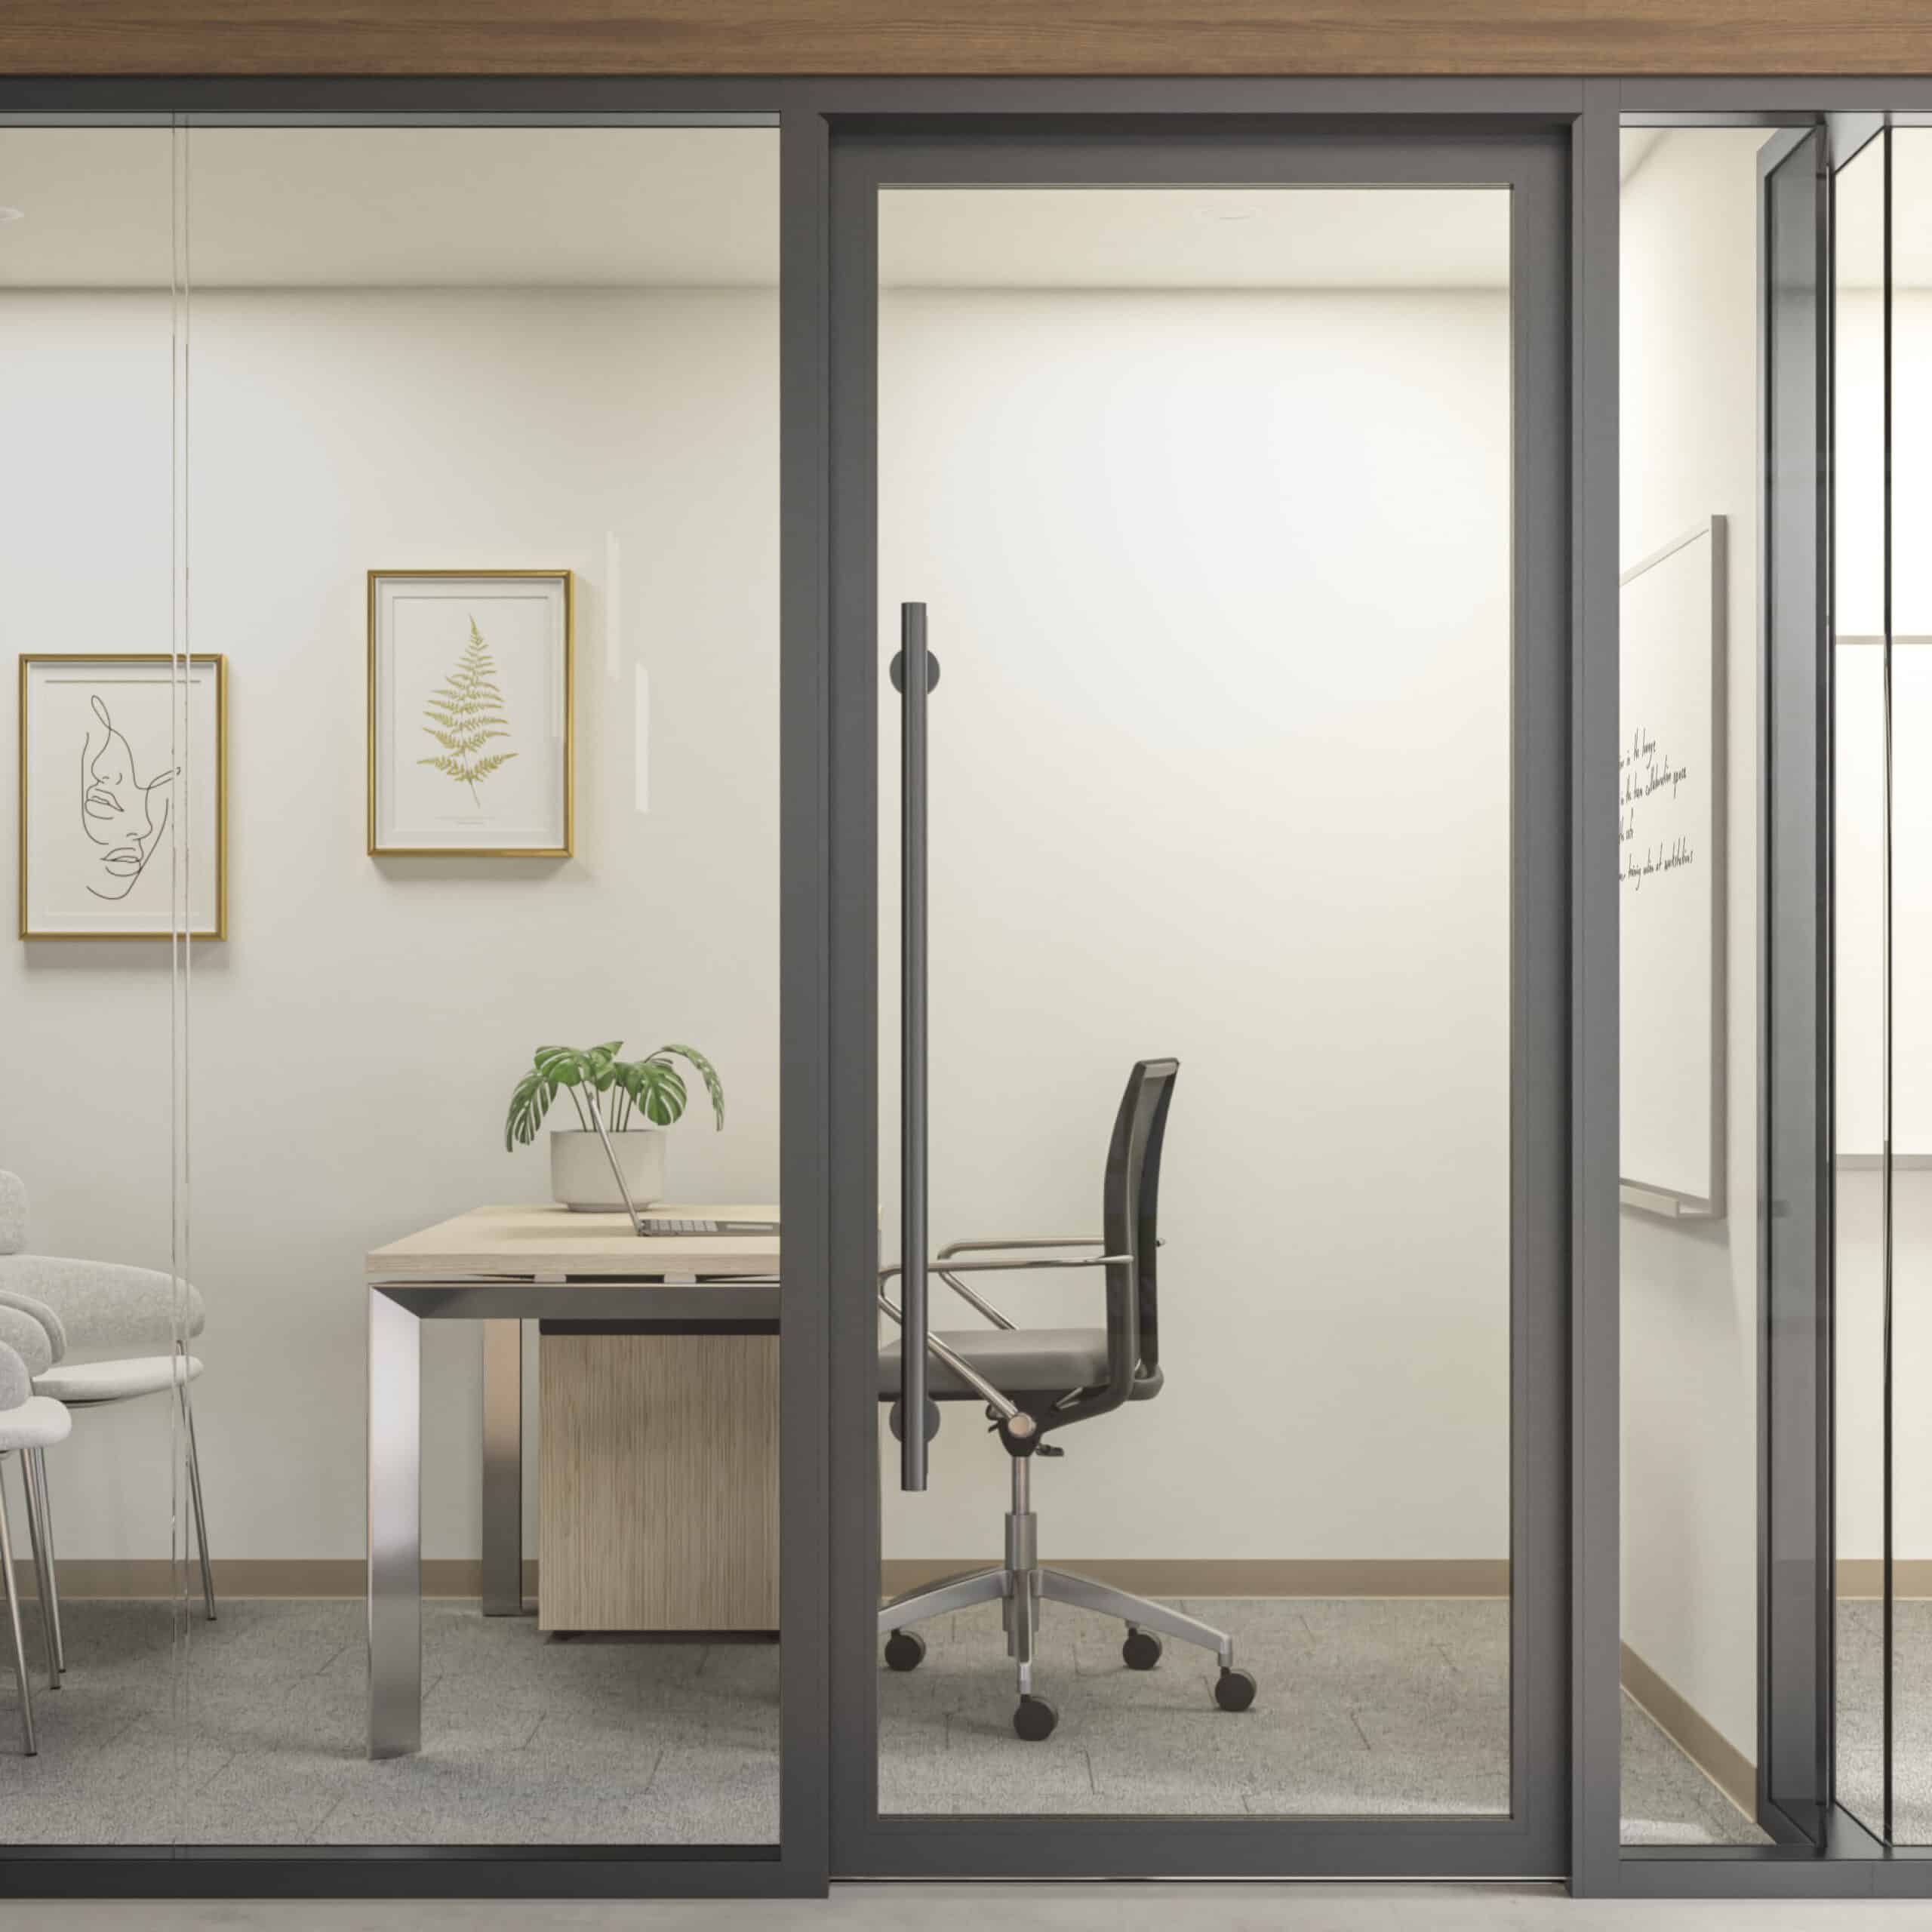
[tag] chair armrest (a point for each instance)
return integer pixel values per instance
(26, 1304)
(977, 1246)
(107, 1305)
(979, 1301)
(1017, 1267)
(21, 1335)
(16, 1379)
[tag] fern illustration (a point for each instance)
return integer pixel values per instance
(466, 714)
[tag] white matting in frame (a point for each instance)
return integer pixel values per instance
(123, 795)
(469, 713)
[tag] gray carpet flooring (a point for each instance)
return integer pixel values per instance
(260, 1740)
(1367, 1707)
(1860, 1639)
(1667, 1800)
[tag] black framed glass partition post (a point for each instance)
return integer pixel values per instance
(1243, 894)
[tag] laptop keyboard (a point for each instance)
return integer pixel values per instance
(662, 1225)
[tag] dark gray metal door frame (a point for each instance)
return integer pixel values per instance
(1796, 1217)
(1533, 158)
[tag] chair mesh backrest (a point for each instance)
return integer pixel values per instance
(13, 1213)
(1130, 1215)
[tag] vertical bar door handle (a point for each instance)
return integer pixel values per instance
(913, 676)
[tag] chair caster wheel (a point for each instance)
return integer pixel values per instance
(906, 1650)
(1142, 1650)
(1234, 1690)
(1034, 1718)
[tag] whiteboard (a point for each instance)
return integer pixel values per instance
(1670, 875)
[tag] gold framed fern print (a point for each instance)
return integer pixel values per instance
(469, 714)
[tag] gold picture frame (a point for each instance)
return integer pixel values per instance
(105, 732)
(384, 770)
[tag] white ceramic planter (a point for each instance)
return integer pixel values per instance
(581, 1174)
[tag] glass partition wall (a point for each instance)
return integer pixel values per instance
(117, 793)
(1882, 667)
(1773, 1609)
(1688, 773)
(428, 863)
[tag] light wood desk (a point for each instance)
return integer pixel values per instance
(500, 1266)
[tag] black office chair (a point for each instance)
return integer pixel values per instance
(1035, 1380)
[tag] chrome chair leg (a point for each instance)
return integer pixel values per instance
(43, 1564)
(14, 1618)
(36, 1460)
(959, 1592)
(1083, 1593)
(200, 1514)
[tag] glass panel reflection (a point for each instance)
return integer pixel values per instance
(1910, 449)
(527, 378)
(1862, 670)
(91, 286)
(1688, 453)
(1211, 784)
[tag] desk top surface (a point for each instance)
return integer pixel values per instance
(522, 1242)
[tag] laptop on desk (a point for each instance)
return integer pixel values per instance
(645, 1226)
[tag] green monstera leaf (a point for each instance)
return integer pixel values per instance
(652, 1087)
(712, 1085)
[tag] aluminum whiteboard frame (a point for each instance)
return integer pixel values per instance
(1647, 1196)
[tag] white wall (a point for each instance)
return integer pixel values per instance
(1858, 473)
(1689, 1292)
(354, 1041)
(1220, 768)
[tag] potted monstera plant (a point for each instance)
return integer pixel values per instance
(634, 1099)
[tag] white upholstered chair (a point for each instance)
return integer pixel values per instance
(28, 1424)
(124, 1317)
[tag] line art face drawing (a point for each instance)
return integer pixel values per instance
(466, 714)
(119, 813)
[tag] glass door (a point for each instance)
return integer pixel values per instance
(1200, 980)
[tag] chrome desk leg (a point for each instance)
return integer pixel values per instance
(43, 1564)
(200, 1513)
(395, 1529)
(20, 1642)
(37, 1463)
(502, 1468)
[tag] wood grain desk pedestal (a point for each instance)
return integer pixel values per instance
(659, 1479)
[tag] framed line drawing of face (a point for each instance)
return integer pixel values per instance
(123, 796)
(469, 714)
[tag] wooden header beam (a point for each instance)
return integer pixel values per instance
(982, 37)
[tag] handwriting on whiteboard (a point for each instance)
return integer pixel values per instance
(1649, 780)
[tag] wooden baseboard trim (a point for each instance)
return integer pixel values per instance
(156, 1578)
(1865, 1577)
(1694, 1733)
(1246, 1576)
(150, 1578)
